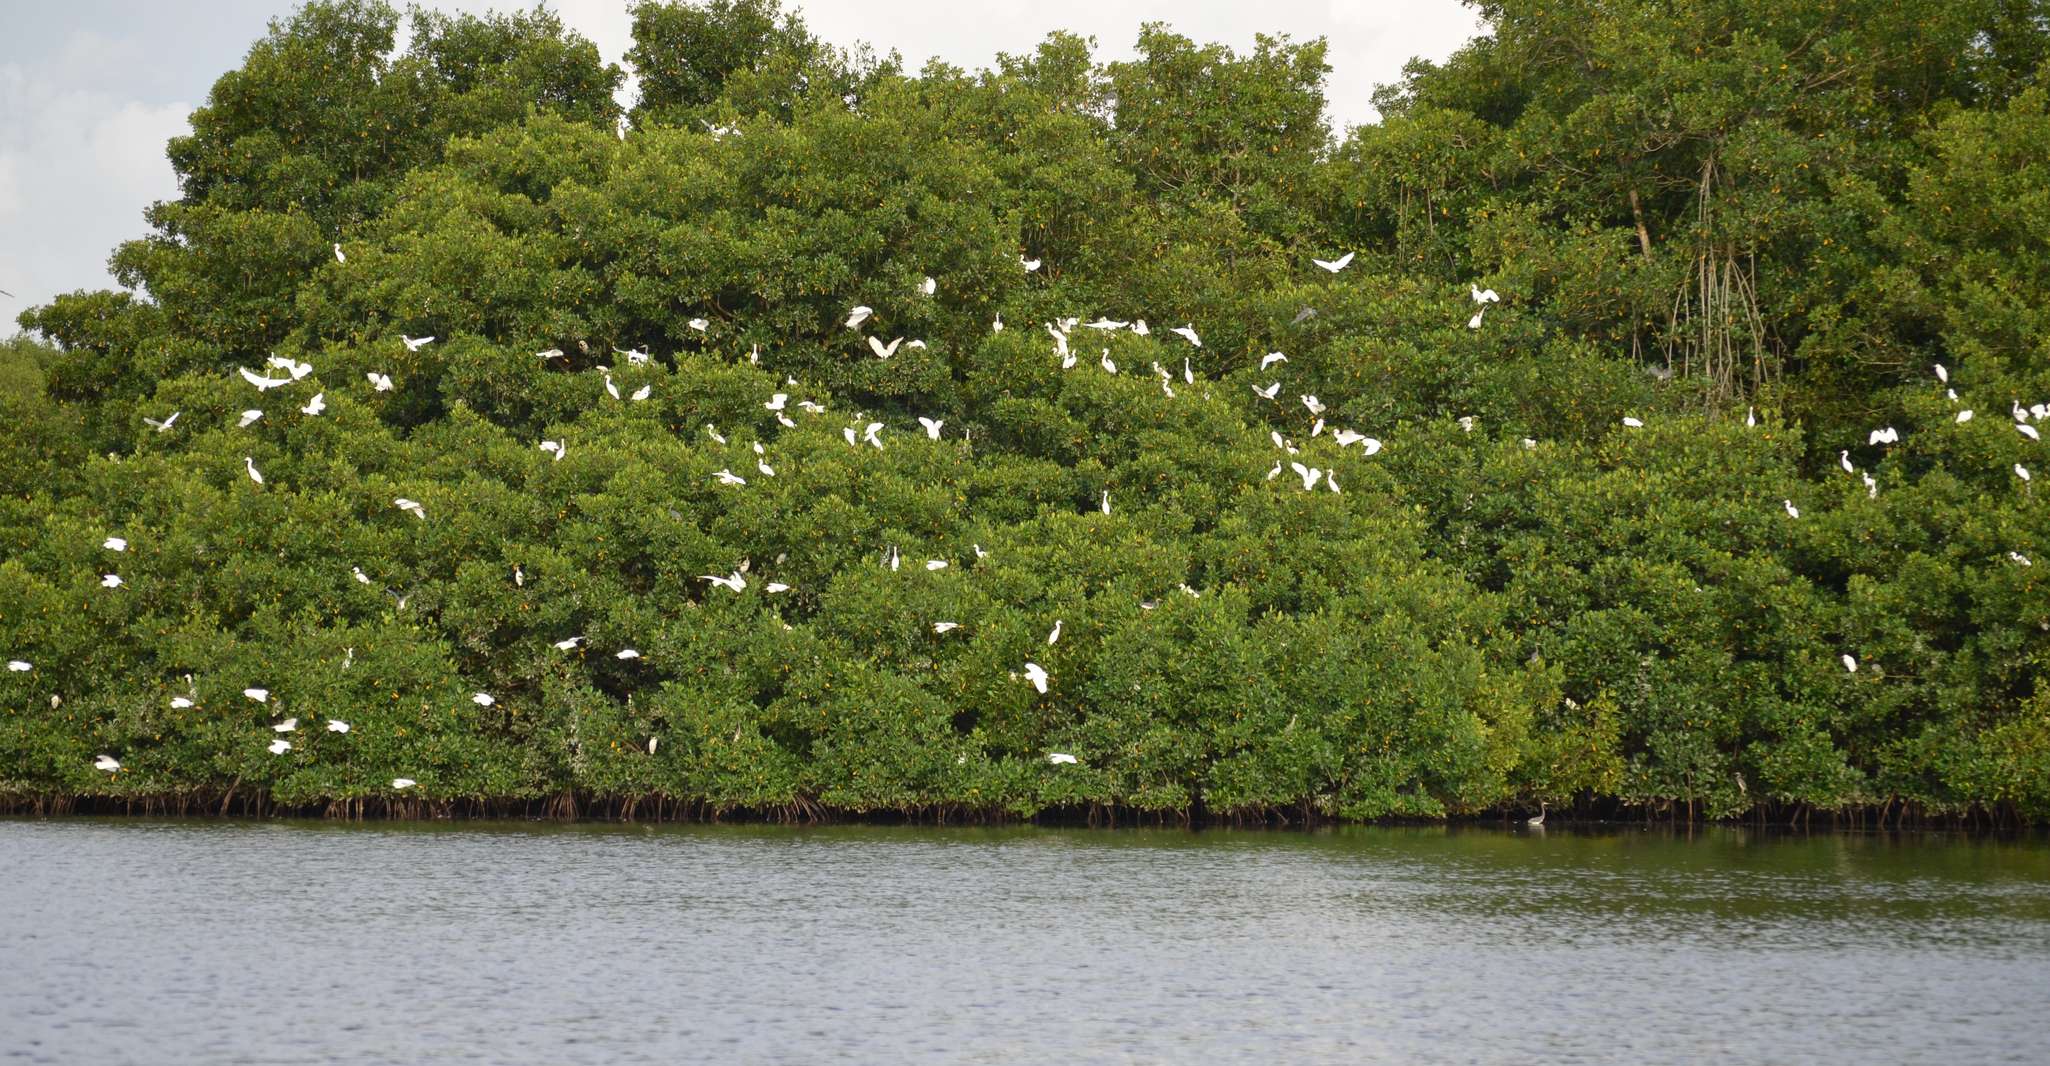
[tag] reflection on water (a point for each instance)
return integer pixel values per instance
(135, 941)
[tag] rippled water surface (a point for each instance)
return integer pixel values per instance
(172, 942)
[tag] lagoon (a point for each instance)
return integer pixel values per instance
(130, 940)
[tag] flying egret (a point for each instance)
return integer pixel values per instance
(289, 725)
(410, 506)
(1268, 393)
(728, 477)
(1309, 474)
(1633, 423)
(859, 315)
(945, 627)
(1843, 459)
(554, 448)
(20, 666)
(336, 725)
(482, 699)
(884, 351)
(110, 581)
(874, 434)
(1964, 416)
(1060, 758)
(279, 747)
(763, 466)
(1030, 265)
(928, 286)
(1056, 634)
(1106, 324)
(1315, 405)
(379, 382)
(1188, 333)
(1484, 296)
(165, 425)
(263, 384)
(1346, 438)
(316, 405)
(1272, 358)
(1850, 664)
(1792, 511)
(932, 427)
(1036, 674)
(1334, 265)
(114, 544)
(777, 402)
(403, 782)
(296, 369)
(627, 653)
(568, 644)
(414, 344)
(107, 763)
(260, 695)
(812, 406)
(935, 564)
(732, 581)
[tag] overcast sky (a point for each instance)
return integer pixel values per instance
(91, 89)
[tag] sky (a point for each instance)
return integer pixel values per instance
(91, 89)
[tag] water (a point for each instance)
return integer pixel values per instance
(173, 942)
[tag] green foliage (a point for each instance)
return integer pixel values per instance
(1753, 230)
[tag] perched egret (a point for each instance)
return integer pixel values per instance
(1036, 674)
(1751, 416)
(110, 581)
(180, 702)
(1139, 327)
(279, 747)
(554, 448)
(1792, 511)
(249, 417)
(1633, 423)
(568, 644)
(945, 627)
(2027, 430)
(552, 353)
(1942, 374)
(482, 699)
(763, 466)
(411, 507)
(1843, 459)
(611, 389)
(339, 257)
(1276, 472)
(1030, 265)
(1871, 486)
(107, 763)
(1850, 663)
(2020, 471)
(1107, 363)
(20, 666)
(1188, 374)
(859, 315)
(776, 586)
(403, 782)
(652, 741)
(260, 695)
(289, 725)
(928, 286)
(336, 725)
(728, 477)
(643, 392)
(1964, 416)
(998, 325)
(812, 406)
(1315, 405)
(414, 344)
(361, 577)
(935, 564)
(165, 425)
(1888, 435)
(1188, 333)
(2020, 558)
(713, 432)
(1055, 636)
(1335, 265)
(699, 324)
(627, 653)
(1475, 321)
(1467, 422)
(114, 544)
(1062, 758)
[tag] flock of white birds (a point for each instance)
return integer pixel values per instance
(1062, 333)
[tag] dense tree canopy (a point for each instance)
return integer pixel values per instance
(1625, 537)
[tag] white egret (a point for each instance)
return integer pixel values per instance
(552, 353)
(998, 325)
(945, 627)
(554, 448)
(1751, 416)
(1633, 423)
(1139, 327)
(1188, 333)
(114, 544)
(1315, 405)
(289, 725)
(1268, 393)
(932, 427)
(1467, 422)
(1276, 472)
(1055, 636)
(1036, 674)
(107, 763)
(1106, 324)
(884, 351)
(776, 586)
(2020, 413)
(1346, 438)
(1539, 821)
(859, 315)
(2020, 558)
(643, 392)
(1334, 265)
(2027, 430)
(20, 666)
(1850, 663)
(261, 382)
(1331, 482)
(339, 257)
(361, 577)
(777, 402)
(568, 644)
(296, 369)
(1475, 321)
(893, 559)
(260, 695)
(1529, 444)
(1964, 416)
(1188, 374)
(336, 725)
(1067, 360)
(1792, 511)
(1106, 362)
(784, 421)
(1060, 758)
(403, 782)
(874, 434)
(180, 702)
(732, 581)
(652, 741)
(812, 406)
(1484, 296)
(1888, 435)
(110, 581)
(414, 344)
(2021, 471)
(165, 425)
(979, 553)
(728, 477)
(627, 653)
(763, 466)
(411, 507)
(935, 564)
(1106, 501)
(1942, 374)
(379, 382)
(279, 747)
(1272, 358)
(928, 286)
(316, 405)
(249, 417)
(1871, 486)
(482, 699)
(713, 432)
(1309, 474)
(1843, 459)
(1030, 265)
(1317, 427)
(699, 324)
